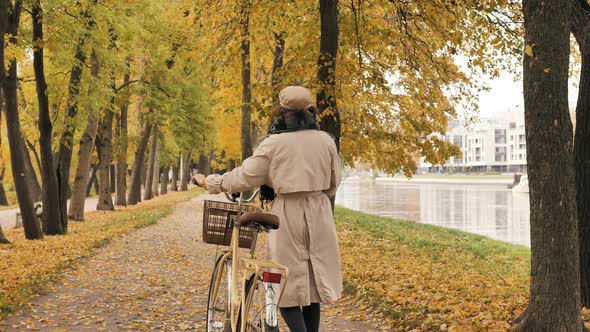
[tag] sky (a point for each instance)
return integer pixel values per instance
(506, 95)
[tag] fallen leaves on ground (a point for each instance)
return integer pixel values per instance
(425, 278)
(154, 279)
(399, 276)
(27, 267)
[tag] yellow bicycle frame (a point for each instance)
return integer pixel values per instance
(250, 266)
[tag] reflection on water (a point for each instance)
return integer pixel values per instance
(489, 210)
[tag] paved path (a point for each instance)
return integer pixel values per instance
(154, 279)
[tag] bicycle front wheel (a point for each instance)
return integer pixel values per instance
(263, 313)
(218, 304)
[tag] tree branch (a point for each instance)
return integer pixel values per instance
(31, 147)
(129, 83)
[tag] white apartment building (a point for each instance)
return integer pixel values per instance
(495, 144)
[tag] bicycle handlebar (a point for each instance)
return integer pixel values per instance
(230, 197)
(235, 197)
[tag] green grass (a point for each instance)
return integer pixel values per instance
(423, 236)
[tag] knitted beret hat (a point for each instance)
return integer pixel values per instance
(295, 98)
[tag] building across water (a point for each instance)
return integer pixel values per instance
(494, 144)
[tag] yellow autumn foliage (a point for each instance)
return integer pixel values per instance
(397, 78)
(228, 134)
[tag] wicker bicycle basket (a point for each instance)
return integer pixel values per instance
(217, 223)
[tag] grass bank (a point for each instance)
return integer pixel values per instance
(430, 278)
(27, 267)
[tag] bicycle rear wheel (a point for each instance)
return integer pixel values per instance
(263, 313)
(218, 308)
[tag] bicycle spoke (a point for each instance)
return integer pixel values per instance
(253, 328)
(217, 309)
(257, 314)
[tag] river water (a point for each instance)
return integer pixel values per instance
(491, 210)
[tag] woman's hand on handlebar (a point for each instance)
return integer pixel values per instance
(199, 180)
(214, 188)
(213, 183)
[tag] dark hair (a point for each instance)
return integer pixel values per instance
(280, 110)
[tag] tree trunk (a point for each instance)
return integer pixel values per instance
(82, 179)
(134, 195)
(92, 181)
(276, 79)
(121, 171)
(175, 171)
(32, 181)
(156, 170)
(66, 139)
(246, 85)
(31, 148)
(3, 199)
(164, 182)
(580, 27)
(52, 224)
(3, 239)
(106, 171)
(148, 190)
(144, 168)
(326, 99)
(582, 162)
(277, 65)
(104, 147)
(204, 165)
(9, 22)
(185, 165)
(554, 303)
(31, 175)
(112, 175)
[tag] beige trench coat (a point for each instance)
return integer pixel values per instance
(304, 169)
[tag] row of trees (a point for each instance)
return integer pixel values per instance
(90, 86)
(397, 80)
(112, 76)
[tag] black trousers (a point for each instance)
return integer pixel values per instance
(302, 319)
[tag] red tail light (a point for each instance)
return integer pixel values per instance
(273, 278)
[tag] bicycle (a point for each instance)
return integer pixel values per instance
(242, 293)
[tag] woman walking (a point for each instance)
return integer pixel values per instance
(301, 164)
